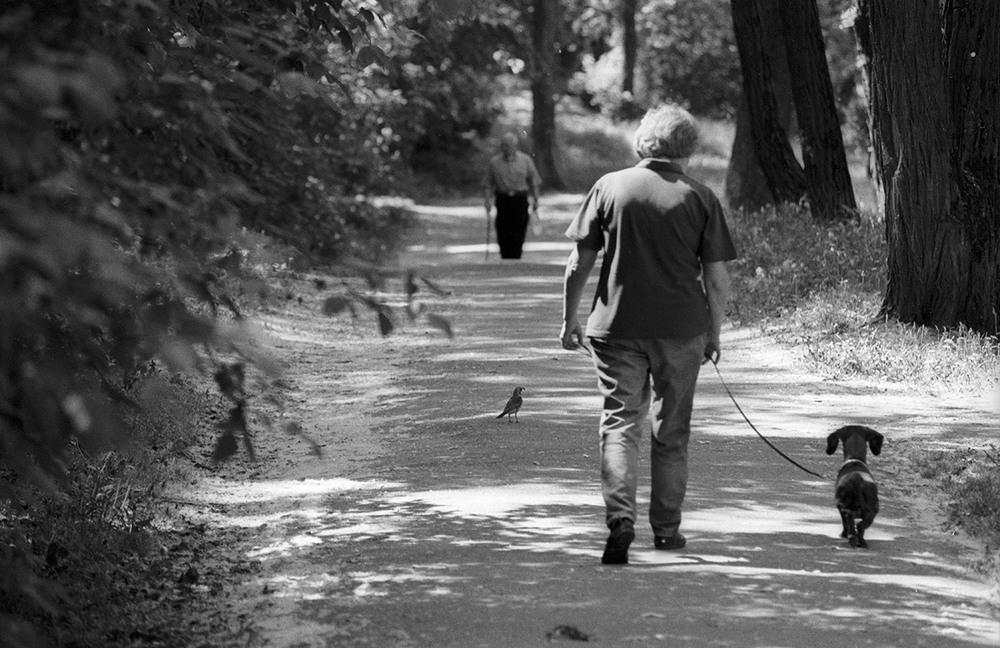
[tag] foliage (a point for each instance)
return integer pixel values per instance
(786, 256)
(971, 477)
(819, 288)
(689, 55)
(94, 551)
(141, 139)
(445, 88)
(350, 299)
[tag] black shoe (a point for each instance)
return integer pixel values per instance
(666, 544)
(616, 549)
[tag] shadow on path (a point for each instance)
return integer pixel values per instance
(431, 523)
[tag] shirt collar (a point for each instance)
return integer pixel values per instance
(660, 164)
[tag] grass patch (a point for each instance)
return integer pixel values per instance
(786, 257)
(835, 331)
(818, 287)
(971, 479)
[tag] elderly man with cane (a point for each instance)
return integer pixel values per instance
(510, 180)
(656, 317)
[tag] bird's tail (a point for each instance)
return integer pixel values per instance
(502, 414)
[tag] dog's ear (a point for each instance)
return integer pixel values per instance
(831, 443)
(875, 442)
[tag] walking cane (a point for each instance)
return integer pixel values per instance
(487, 250)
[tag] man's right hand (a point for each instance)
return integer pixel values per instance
(712, 350)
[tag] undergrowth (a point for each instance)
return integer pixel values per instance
(818, 287)
(101, 560)
(971, 478)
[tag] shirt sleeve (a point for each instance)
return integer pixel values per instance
(716, 242)
(586, 226)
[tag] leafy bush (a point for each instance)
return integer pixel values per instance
(141, 139)
(353, 228)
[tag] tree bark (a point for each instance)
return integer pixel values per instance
(746, 186)
(831, 194)
(935, 122)
(785, 178)
(544, 21)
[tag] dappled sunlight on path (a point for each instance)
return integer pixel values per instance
(428, 522)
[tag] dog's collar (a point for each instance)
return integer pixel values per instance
(850, 461)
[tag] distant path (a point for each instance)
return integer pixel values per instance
(428, 522)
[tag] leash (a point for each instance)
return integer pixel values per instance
(754, 428)
(586, 351)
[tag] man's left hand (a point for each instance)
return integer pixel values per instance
(571, 335)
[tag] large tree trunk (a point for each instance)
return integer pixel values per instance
(831, 194)
(935, 122)
(785, 178)
(544, 20)
(746, 186)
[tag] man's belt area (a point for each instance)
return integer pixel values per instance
(513, 194)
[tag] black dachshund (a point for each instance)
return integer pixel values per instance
(856, 491)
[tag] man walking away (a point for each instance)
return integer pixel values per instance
(656, 317)
(511, 178)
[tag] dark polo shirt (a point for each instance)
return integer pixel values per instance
(656, 227)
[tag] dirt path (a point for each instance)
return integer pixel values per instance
(427, 522)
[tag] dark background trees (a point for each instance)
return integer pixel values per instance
(827, 177)
(825, 180)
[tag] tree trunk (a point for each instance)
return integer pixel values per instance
(543, 90)
(936, 131)
(746, 186)
(630, 43)
(831, 194)
(785, 178)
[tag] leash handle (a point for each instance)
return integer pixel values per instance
(754, 428)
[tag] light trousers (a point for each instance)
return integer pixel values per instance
(636, 377)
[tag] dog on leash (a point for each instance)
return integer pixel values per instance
(856, 491)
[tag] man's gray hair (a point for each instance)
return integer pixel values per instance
(667, 131)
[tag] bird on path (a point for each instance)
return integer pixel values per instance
(513, 404)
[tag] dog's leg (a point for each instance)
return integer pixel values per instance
(865, 522)
(847, 518)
